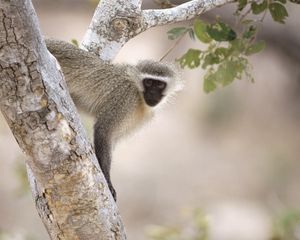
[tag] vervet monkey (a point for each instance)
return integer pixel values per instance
(120, 96)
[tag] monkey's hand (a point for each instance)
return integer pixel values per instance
(113, 191)
(103, 153)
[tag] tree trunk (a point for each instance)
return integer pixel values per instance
(70, 192)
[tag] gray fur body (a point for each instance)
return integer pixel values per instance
(112, 93)
(106, 91)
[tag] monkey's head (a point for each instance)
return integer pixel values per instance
(158, 80)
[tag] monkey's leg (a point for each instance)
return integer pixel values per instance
(103, 152)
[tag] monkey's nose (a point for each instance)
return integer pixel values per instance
(152, 99)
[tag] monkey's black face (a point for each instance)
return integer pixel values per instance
(153, 91)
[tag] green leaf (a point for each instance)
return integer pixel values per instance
(210, 59)
(258, 8)
(219, 55)
(75, 42)
(237, 47)
(250, 32)
(242, 4)
(222, 52)
(190, 59)
(226, 73)
(278, 12)
(221, 32)
(209, 85)
(175, 33)
(200, 31)
(230, 70)
(255, 48)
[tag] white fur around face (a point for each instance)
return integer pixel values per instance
(161, 71)
(173, 84)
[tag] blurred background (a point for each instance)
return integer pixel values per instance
(227, 162)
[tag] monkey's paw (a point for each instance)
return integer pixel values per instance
(113, 192)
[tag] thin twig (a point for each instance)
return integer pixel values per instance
(172, 47)
(245, 14)
(263, 17)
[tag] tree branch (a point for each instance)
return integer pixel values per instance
(115, 22)
(183, 12)
(70, 191)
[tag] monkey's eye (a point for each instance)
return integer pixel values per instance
(148, 82)
(161, 85)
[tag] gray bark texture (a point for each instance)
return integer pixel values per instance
(123, 20)
(68, 187)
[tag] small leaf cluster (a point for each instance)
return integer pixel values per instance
(225, 58)
(226, 55)
(276, 8)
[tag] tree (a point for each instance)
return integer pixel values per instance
(69, 190)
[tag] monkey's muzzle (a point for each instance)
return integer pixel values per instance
(152, 98)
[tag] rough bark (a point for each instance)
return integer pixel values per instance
(108, 32)
(183, 12)
(69, 190)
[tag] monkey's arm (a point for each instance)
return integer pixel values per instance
(103, 150)
(111, 124)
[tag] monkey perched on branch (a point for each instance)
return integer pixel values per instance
(121, 97)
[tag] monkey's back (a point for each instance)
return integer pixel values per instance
(106, 91)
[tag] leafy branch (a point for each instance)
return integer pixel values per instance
(226, 55)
